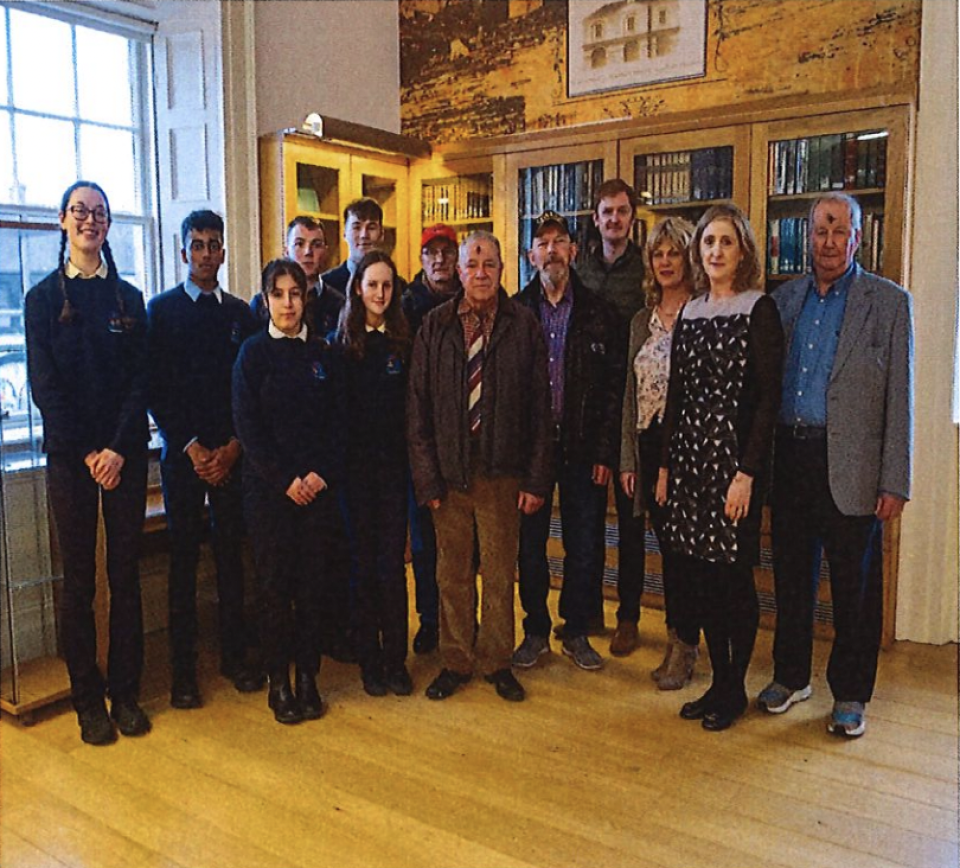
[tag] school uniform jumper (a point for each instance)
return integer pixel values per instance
(89, 379)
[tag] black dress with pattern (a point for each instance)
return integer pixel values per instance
(722, 406)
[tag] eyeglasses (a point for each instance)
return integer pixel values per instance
(81, 212)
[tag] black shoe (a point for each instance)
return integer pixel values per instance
(446, 684)
(96, 726)
(427, 638)
(184, 692)
(725, 714)
(507, 685)
(311, 703)
(280, 698)
(373, 681)
(130, 717)
(245, 679)
(698, 708)
(398, 681)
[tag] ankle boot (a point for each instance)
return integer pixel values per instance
(280, 698)
(680, 666)
(671, 642)
(311, 705)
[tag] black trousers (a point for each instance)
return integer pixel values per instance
(376, 516)
(679, 596)
(76, 499)
(806, 521)
(291, 548)
(184, 495)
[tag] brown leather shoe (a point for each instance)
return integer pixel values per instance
(625, 640)
(679, 669)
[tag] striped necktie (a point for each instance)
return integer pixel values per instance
(475, 353)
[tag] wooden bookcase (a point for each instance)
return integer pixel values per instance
(302, 175)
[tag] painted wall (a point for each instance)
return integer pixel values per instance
(470, 69)
(335, 57)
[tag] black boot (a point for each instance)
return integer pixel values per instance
(311, 704)
(286, 708)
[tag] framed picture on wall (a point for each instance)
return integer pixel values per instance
(613, 44)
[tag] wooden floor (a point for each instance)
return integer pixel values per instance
(594, 769)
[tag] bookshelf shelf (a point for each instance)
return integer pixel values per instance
(870, 192)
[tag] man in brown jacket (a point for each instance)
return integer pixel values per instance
(478, 422)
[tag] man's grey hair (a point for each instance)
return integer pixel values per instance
(853, 208)
(477, 236)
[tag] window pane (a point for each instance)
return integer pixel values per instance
(8, 192)
(46, 159)
(126, 244)
(106, 156)
(104, 77)
(42, 60)
(4, 95)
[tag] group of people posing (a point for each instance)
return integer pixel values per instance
(339, 409)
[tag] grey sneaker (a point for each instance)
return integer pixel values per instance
(847, 719)
(530, 650)
(776, 699)
(582, 653)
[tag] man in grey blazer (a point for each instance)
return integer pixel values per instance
(841, 461)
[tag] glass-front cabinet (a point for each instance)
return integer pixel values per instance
(301, 175)
(683, 174)
(564, 180)
(32, 673)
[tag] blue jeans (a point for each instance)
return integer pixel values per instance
(582, 515)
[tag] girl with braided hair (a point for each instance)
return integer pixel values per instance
(87, 363)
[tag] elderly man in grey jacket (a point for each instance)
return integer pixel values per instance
(842, 461)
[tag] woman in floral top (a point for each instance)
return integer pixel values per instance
(668, 283)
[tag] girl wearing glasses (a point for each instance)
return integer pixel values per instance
(86, 359)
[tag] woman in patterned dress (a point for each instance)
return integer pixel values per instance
(722, 404)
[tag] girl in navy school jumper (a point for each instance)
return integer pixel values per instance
(375, 344)
(286, 406)
(86, 357)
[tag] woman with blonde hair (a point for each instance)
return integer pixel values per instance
(668, 284)
(722, 405)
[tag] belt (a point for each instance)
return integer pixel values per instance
(803, 432)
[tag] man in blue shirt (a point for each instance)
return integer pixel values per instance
(195, 331)
(586, 376)
(841, 461)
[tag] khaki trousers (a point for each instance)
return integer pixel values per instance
(490, 506)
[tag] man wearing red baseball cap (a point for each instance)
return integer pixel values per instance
(436, 283)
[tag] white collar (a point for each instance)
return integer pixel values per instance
(382, 328)
(71, 271)
(194, 291)
(274, 332)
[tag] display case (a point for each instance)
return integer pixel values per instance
(564, 180)
(31, 672)
(859, 153)
(683, 174)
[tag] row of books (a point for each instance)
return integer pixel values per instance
(849, 161)
(456, 200)
(565, 187)
(788, 244)
(685, 176)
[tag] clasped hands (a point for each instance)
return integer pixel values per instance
(737, 504)
(105, 466)
(214, 466)
(304, 491)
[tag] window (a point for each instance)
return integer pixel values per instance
(75, 102)
(631, 51)
(630, 25)
(596, 30)
(598, 58)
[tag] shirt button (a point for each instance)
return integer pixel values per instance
(799, 392)
(809, 346)
(804, 370)
(553, 335)
(816, 322)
